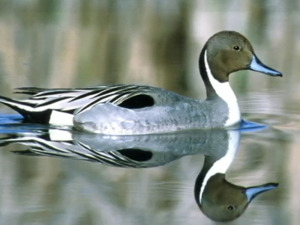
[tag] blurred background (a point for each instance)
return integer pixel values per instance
(69, 43)
(74, 43)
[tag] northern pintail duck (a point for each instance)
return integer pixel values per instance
(132, 109)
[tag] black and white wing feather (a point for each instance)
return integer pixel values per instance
(42, 102)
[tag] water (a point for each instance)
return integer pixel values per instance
(51, 176)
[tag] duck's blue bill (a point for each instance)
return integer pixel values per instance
(257, 65)
(254, 191)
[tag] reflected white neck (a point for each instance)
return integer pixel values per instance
(222, 165)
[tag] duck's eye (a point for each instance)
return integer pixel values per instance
(236, 48)
(230, 207)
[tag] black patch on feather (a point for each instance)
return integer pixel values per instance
(136, 154)
(36, 117)
(137, 102)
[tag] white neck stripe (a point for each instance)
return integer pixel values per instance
(225, 92)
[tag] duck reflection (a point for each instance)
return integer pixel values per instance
(217, 198)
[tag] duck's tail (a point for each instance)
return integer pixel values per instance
(26, 109)
(17, 105)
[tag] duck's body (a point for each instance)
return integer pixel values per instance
(120, 109)
(132, 109)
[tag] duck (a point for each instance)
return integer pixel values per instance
(128, 109)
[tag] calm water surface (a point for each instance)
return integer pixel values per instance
(87, 179)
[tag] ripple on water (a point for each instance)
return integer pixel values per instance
(272, 108)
